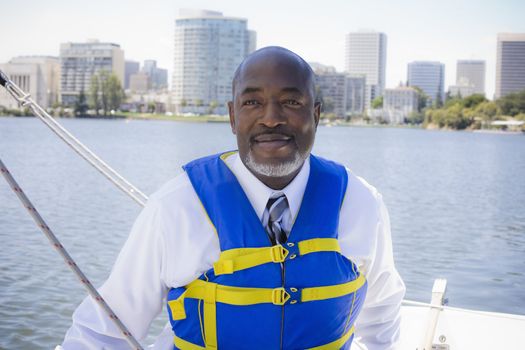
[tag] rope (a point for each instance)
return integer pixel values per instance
(65, 255)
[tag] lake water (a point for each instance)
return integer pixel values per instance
(456, 201)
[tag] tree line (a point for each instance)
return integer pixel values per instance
(105, 94)
(475, 111)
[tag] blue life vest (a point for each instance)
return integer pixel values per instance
(302, 295)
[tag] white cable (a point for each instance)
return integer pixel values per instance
(26, 101)
(67, 258)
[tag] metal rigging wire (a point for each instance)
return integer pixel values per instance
(101, 166)
(26, 101)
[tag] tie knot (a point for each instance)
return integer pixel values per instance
(273, 218)
(272, 200)
(276, 207)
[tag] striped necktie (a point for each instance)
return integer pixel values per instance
(275, 211)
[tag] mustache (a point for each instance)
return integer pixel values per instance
(278, 130)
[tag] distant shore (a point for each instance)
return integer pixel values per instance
(225, 119)
(147, 116)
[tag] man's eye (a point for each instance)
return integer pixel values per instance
(291, 102)
(250, 103)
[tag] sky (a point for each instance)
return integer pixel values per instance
(445, 30)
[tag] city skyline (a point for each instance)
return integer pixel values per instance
(447, 31)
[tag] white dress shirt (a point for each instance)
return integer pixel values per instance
(172, 243)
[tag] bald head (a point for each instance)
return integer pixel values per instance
(275, 56)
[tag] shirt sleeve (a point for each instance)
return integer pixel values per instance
(139, 264)
(378, 325)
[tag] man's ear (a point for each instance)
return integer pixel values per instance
(232, 116)
(317, 112)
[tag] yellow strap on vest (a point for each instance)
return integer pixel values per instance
(233, 260)
(336, 344)
(235, 295)
(203, 290)
(210, 318)
(186, 345)
(248, 257)
(333, 291)
(211, 293)
(319, 245)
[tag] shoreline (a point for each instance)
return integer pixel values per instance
(225, 119)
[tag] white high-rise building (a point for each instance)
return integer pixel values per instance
(429, 76)
(208, 49)
(80, 61)
(37, 75)
(510, 65)
(471, 74)
(366, 55)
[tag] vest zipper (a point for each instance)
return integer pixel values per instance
(283, 275)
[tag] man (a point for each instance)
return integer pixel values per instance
(233, 283)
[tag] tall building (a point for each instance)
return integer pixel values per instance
(366, 54)
(510, 64)
(158, 76)
(80, 61)
(208, 49)
(342, 94)
(332, 89)
(131, 67)
(37, 75)
(399, 103)
(471, 73)
(429, 77)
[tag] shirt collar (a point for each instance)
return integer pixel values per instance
(258, 193)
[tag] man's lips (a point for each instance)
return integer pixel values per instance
(271, 140)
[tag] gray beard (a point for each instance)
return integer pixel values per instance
(278, 170)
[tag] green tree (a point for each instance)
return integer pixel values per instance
(213, 104)
(114, 92)
(415, 118)
(422, 98)
(104, 92)
(453, 100)
(439, 100)
(94, 94)
(81, 105)
(512, 104)
(473, 100)
(377, 102)
(198, 102)
(520, 116)
(151, 107)
(448, 96)
(328, 105)
(487, 110)
(183, 103)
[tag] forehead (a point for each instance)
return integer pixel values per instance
(273, 73)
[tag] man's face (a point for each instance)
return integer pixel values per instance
(274, 116)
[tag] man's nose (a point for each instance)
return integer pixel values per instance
(273, 114)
